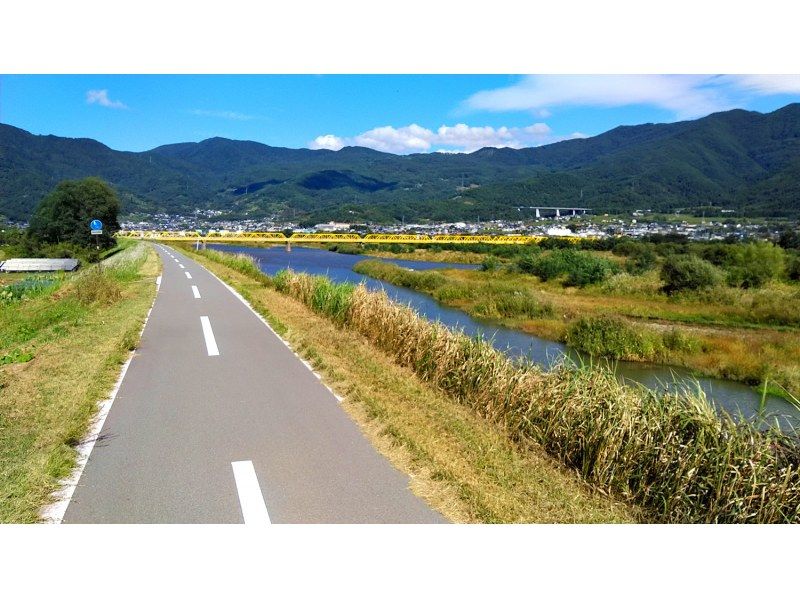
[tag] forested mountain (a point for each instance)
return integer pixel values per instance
(739, 160)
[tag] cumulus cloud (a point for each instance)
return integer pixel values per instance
(100, 97)
(687, 96)
(457, 138)
(330, 142)
(226, 114)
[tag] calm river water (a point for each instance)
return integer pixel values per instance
(734, 397)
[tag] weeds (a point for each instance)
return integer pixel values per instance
(670, 453)
(97, 285)
(241, 262)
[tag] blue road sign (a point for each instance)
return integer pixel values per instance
(96, 225)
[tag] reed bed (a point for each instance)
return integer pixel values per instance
(241, 262)
(671, 454)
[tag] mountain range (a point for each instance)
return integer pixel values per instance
(735, 160)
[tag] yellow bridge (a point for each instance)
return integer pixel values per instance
(277, 237)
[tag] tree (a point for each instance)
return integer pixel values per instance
(64, 215)
(688, 272)
(755, 264)
(789, 239)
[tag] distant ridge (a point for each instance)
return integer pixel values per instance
(735, 160)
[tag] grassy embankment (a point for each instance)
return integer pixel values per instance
(749, 335)
(463, 465)
(671, 456)
(61, 347)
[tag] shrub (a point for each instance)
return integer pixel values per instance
(605, 336)
(755, 264)
(793, 268)
(97, 286)
(688, 272)
(581, 268)
(641, 261)
(490, 264)
(676, 340)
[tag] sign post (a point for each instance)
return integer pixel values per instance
(96, 228)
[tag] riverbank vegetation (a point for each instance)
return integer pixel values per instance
(724, 310)
(671, 455)
(63, 339)
(461, 464)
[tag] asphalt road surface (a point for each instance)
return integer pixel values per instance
(217, 421)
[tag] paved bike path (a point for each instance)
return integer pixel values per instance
(186, 424)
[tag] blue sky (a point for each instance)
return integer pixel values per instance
(396, 113)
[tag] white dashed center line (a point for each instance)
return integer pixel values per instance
(211, 343)
(254, 511)
(195, 292)
(189, 276)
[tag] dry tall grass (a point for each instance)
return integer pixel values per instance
(672, 454)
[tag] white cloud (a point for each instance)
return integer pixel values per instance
(227, 114)
(456, 139)
(765, 84)
(330, 142)
(403, 140)
(687, 96)
(100, 96)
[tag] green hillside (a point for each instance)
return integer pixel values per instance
(739, 160)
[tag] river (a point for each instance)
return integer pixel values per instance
(733, 397)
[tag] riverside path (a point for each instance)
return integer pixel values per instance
(217, 421)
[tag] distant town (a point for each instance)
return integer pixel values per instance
(638, 224)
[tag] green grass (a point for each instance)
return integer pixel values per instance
(672, 455)
(464, 465)
(60, 353)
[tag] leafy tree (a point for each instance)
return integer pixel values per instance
(64, 215)
(789, 239)
(755, 264)
(793, 268)
(688, 272)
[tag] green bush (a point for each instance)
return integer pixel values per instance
(688, 272)
(605, 336)
(755, 264)
(675, 340)
(641, 258)
(793, 268)
(490, 264)
(581, 268)
(518, 303)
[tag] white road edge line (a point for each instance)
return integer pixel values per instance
(189, 276)
(195, 292)
(211, 343)
(254, 510)
(54, 512)
(264, 321)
